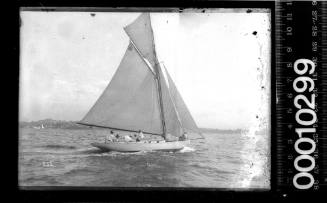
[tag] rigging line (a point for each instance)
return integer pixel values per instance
(157, 81)
(114, 77)
(156, 77)
(152, 107)
(163, 123)
(159, 84)
(177, 113)
(175, 105)
(153, 70)
(143, 58)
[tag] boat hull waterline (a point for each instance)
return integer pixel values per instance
(141, 146)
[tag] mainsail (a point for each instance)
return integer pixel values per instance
(130, 101)
(138, 97)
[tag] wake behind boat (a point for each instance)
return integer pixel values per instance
(142, 97)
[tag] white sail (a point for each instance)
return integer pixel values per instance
(141, 34)
(138, 96)
(172, 121)
(130, 101)
(185, 116)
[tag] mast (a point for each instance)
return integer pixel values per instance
(145, 101)
(157, 78)
(155, 71)
(158, 84)
(160, 102)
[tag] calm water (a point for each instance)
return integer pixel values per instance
(52, 157)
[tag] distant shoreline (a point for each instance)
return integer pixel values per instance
(228, 131)
(51, 123)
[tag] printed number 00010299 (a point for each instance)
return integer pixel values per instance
(308, 110)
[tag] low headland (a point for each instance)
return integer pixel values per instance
(61, 124)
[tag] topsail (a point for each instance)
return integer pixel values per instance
(138, 97)
(140, 33)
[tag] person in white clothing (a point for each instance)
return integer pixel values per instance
(141, 134)
(128, 138)
(110, 137)
(183, 137)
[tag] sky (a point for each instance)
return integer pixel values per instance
(219, 61)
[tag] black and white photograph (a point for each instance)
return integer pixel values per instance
(145, 99)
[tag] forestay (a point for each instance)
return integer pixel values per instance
(185, 116)
(172, 121)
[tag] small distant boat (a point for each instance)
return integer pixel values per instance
(39, 127)
(142, 96)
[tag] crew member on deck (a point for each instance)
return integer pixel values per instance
(117, 137)
(141, 134)
(110, 137)
(128, 138)
(183, 137)
(135, 137)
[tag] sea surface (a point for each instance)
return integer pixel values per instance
(61, 157)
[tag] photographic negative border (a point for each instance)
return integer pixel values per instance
(62, 193)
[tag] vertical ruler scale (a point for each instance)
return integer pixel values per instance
(279, 112)
(301, 88)
(283, 63)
